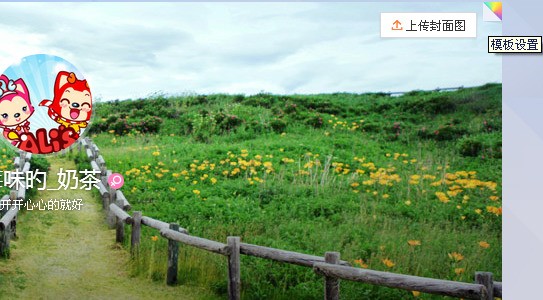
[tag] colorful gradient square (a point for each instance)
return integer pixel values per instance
(496, 8)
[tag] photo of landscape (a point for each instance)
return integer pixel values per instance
(293, 126)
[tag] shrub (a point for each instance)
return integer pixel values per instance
(238, 98)
(315, 121)
(491, 125)
(371, 126)
(149, 124)
(260, 100)
(229, 122)
(443, 133)
(278, 125)
(257, 127)
(98, 126)
(197, 100)
(121, 126)
(470, 147)
(291, 108)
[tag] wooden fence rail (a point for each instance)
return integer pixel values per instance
(157, 224)
(407, 282)
(283, 255)
(330, 266)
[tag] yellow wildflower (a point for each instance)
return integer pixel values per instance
(495, 210)
(456, 256)
(484, 244)
(442, 197)
(389, 263)
(360, 263)
(413, 242)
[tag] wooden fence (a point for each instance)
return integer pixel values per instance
(330, 266)
(11, 203)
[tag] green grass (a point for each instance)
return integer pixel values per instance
(73, 254)
(359, 174)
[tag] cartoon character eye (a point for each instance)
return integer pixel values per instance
(85, 104)
(65, 100)
(25, 108)
(4, 115)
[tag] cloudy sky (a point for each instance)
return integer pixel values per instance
(129, 50)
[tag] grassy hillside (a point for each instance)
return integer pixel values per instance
(408, 184)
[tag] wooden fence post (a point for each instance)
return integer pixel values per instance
(173, 255)
(5, 236)
(112, 199)
(13, 225)
(485, 278)
(17, 163)
(234, 276)
(136, 232)
(120, 227)
(331, 284)
(105, 182)
(103, 175)
(5, 205)
(12, 196)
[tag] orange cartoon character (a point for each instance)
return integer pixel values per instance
(15, 109)
(71, 106)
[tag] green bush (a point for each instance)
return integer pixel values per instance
(470, 147)
(121, 126)
(371, 126)
(227, 122)
(291, 108)
(482, 145)
(278, 125)
(315, 121)
(149, 124)
(443, 133)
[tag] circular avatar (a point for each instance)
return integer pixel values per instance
(45, 104)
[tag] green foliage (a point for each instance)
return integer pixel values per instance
(278, 125)
(357, 173)
(315, 121)
(482, 145)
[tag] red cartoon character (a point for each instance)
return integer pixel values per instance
(15, 109)
(72, 102)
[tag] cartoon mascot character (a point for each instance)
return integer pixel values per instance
(72, 102)
(15, 109)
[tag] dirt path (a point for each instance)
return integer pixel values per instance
(72, 254)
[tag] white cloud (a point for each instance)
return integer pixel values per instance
(129, 50)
